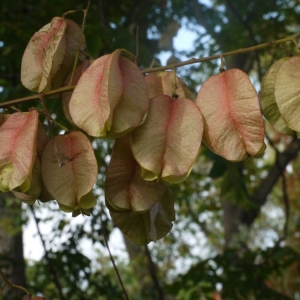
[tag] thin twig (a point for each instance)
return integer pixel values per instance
(85, 11)
(153, 274)
(48, 259)
(45, 109)
(112, 260)
(37, 96)
(287, 207)
(49, 117)
(137, 47)
(11, 285)
(234, 52)
(169, 67)
(284, 191)
(174, 83)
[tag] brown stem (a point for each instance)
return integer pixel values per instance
(11, 285)
(45, 109)
(234, 52)
(152, 270)
(260, 195)
(169, 67)
(113, 261)
(52, 120)
(286, 206)
(286, 201)
(137, 48)
(37, 96)
(47, 257)
(85, 11)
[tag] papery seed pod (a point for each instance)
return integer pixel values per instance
(50, 55)
(111, 97)
(162, 83)
(18, 150)
(69, 170)
(233, 124)
(125, 188)
(268, 102)
(167, 144)
(287, 92)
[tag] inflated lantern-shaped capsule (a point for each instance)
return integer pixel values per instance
(267, 99)
(287, 91)
(69, 171)
(36, 188)
(125, 188)
(50, 55)
(111, 97)
(166, 83)
(18, 149)
(167, 144)
(233, 124)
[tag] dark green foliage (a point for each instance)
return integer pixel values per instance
(240, 276)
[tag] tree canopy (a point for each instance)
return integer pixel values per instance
(208, 145)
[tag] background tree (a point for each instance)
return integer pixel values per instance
(230, 203)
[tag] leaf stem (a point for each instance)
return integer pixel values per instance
(11, 285)
(174, 83)
(37, 96)
(113, 261)
(53, 120)
(85, 11)
(52, 270)
(42, 98)
(74, 11)
(137, 47)
(169, 67)
(234, 52)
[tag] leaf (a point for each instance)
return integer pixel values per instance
(67, 95)
(44, 55)
(162, 83)
(267, 99)
(233, 124)
(69, 169)
(18, 149)
(287, 92)
(149, 226)
(168, 143)
(125, 188)
(111, 96)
